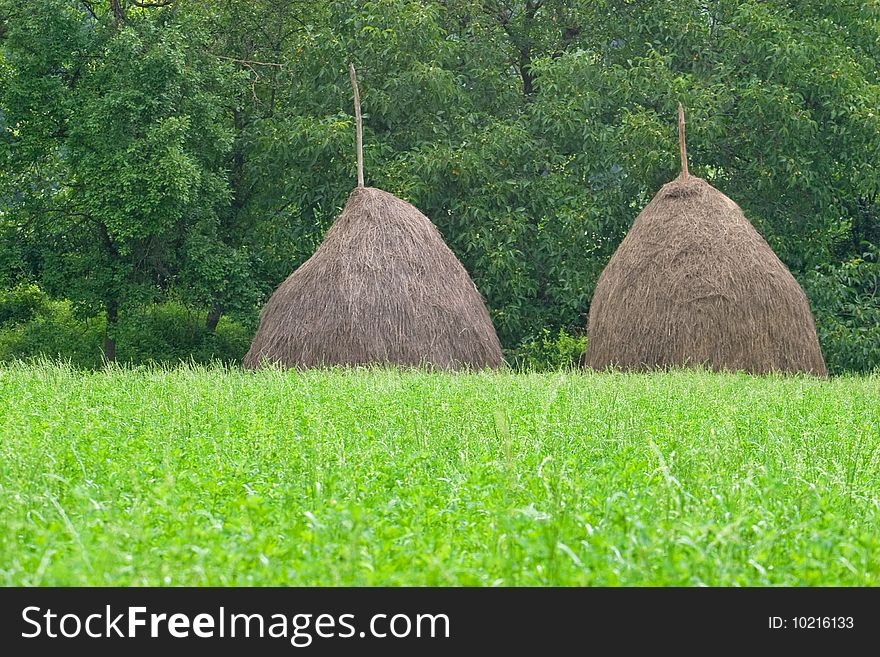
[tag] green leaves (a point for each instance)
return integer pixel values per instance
(128, 121)
(846, 301)
(201, 152)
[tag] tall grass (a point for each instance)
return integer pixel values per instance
(211, 476)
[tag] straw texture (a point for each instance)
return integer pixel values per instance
(383, 288)
(693, 283)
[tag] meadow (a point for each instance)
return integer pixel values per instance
(212, 476)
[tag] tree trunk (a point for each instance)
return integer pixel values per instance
(525, 71)
(118, 10)
(109, 337)
(213, 318)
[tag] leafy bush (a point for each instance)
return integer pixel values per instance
(166, 333)
(55, 333)
(21, 304)
(549, 351)
(846, 304)
(170, 333)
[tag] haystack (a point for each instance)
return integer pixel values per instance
(694, 284)
(383, 288)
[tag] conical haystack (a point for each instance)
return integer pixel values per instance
(383, 288)
(693, 283)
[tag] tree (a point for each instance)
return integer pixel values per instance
(199, 150)
(117, 113)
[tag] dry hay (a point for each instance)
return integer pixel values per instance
(383, 288)
(693, 283)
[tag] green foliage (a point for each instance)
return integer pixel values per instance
(846, 299)
(198, 152)
(549, 352)
(54, 333)
(169, 334)
(21, 304)
(194, 476)
(163, 334)
(125, 119)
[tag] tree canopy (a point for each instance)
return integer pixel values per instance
(198, 150)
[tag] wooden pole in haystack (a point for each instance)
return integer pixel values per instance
(682, 147)
(382, 289)
(359, 127)
(694, 284)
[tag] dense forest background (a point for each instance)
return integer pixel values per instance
(165, 164)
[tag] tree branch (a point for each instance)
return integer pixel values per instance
(88, 7)
(118, 13)
(532, 7)
(250, 62)
(157, 3)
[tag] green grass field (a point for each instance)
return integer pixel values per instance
(369, 477)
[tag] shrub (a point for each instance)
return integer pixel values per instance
(21, 304)
(54, 332)
(846, 304)
(549, 351)
(163, 334)
(170, 333)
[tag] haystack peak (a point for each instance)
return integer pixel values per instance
(383, 288)
(693, 283)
